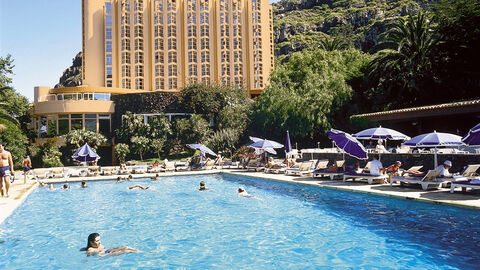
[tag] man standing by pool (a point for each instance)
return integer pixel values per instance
(6, 169)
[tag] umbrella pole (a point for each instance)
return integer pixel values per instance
(435, 161)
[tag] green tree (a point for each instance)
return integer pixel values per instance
(121, 151)
(78, 138)
(305, 93)
(50, 154)
(157, 145)
(332, 44)
(223, 140)
(457, 54)
(132, 125)
(402, 68)
(141, 144)
(194, 129)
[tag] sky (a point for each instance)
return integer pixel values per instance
(43, 37)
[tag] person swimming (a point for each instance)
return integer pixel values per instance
(243, 193)
(156, 177)
(95, 247)
(84, 184)
(202, 186)
(138, 186)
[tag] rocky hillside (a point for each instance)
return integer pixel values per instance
(72, 76)
(300, 24)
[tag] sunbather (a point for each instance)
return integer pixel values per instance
(376, 167)
(444, 169)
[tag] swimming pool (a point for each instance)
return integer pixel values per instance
(292, 226)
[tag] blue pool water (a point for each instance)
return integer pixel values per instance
(291, 227)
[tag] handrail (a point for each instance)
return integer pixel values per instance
(75, 96)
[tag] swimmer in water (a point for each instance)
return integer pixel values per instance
(202, 186)
(95, 247)
(156, 178)
(84, 184)
(138, 186)
(243, 193)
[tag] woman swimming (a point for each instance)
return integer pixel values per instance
(95, 247)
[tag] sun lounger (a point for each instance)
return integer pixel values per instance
(304, 168)
(76, 172)
(42, 173)
(430, 180)
(181, 166)
(469, 173)
(139, 169)
(371, 179)
(57, 173)
(92, 170)
(472, 184)
(168, 167)
(152, 169)
(108, 170)
(332, 174)
(254, 165)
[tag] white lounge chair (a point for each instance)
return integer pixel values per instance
(154, 169)
(472, 184)
(139, 169)
(42, 173)
(76, 172)
(92, 171)
(331, 174)
(108, 170)
(57, 173)
(430, 180)
(169, 167)
(304, 168)
(371, 179)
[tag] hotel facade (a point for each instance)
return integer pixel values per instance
(141, 46)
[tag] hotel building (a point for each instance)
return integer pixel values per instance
(138, 46)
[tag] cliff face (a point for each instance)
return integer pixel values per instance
(72, 76)
(298, 24)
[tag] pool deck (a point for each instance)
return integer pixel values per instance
(471, 199)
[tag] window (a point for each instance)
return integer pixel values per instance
(138, 71)
(108, 33)
(139, 84)
(125, 58)
(172, 57)
(139, 44)
(108, 59)
(204, 31)
(158, 31)
(138, 57)
(63, 124)
(91, 122)
(192, 31)
(159, 83)
(205, 44)
(172, 83)
(192, 70)
(204, 17)
(192, 57)
(159, 57)
(205, 57)
(171, 18)
(192, 43)
(172, 30)
(172, 44)
(159, 71)
(109, 72)
(104, 124)
(172, 70)
(76, 122)
(205, 69)
(108, 20)
(159, 44)
(126, 83)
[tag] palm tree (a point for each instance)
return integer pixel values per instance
(5, 115)
(332, 44)
(406, 53)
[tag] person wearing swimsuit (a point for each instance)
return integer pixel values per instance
(6, 169)
(26, 166)
(95, 247)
